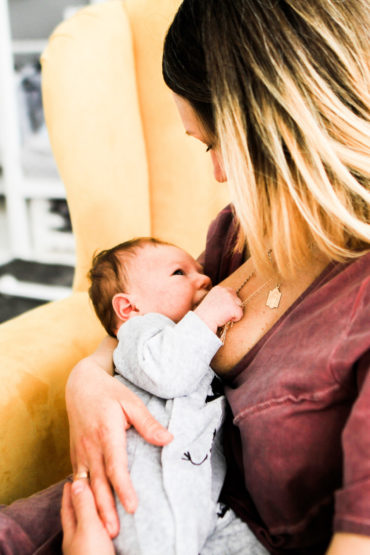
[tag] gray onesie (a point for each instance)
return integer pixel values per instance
(167, 366)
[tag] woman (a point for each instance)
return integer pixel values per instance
(279, 94)
(278, 91)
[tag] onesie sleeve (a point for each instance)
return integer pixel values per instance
(166, 359)
(352, 512)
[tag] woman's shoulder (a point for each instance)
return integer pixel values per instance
(342, 290)
(355, 282)
(220, 257)
(352, 276)
(339, 309)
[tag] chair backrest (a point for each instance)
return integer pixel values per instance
(120, 147)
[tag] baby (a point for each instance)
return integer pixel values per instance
(155, 298)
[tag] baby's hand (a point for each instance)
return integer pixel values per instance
(219, 306)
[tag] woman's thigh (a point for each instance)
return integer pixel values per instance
(32, 525)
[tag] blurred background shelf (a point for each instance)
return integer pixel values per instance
(36, 240)
(32, 46)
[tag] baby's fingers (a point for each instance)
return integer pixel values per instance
(237, 313)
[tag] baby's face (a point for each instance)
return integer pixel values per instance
(166, 279)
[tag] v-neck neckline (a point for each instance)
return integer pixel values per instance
(249, 356)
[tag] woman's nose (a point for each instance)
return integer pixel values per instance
(218, 169)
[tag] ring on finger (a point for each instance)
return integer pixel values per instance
(83, 474)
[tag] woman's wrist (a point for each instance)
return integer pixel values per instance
(101, 360)
(77, 375)
(102, 357)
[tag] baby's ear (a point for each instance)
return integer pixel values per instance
(123, 307)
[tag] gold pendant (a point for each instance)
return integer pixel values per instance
(273, 299)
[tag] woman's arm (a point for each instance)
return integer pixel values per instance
(100, 409)
(343, 544)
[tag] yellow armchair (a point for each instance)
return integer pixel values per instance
(129, 170)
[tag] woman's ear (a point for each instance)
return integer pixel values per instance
(124, 307)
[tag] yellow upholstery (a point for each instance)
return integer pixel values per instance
(129, 170)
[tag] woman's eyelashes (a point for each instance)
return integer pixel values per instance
(178, 272)
(209, 147)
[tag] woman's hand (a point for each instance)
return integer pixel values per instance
(100, 409)
(344, 544)
(83, 531)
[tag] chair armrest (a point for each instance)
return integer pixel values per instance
(37, 351)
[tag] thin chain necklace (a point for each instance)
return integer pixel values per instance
(273, 298)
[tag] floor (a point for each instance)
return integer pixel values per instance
(11, 306)
(38, 283)
(27, 284)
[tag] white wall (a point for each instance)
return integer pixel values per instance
(35, 19)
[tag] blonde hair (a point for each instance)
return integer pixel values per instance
(289, 84)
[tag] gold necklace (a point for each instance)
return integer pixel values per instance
(274, 296)
(273, 299)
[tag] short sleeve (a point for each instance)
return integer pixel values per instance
(352, 512)
(220, 258)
